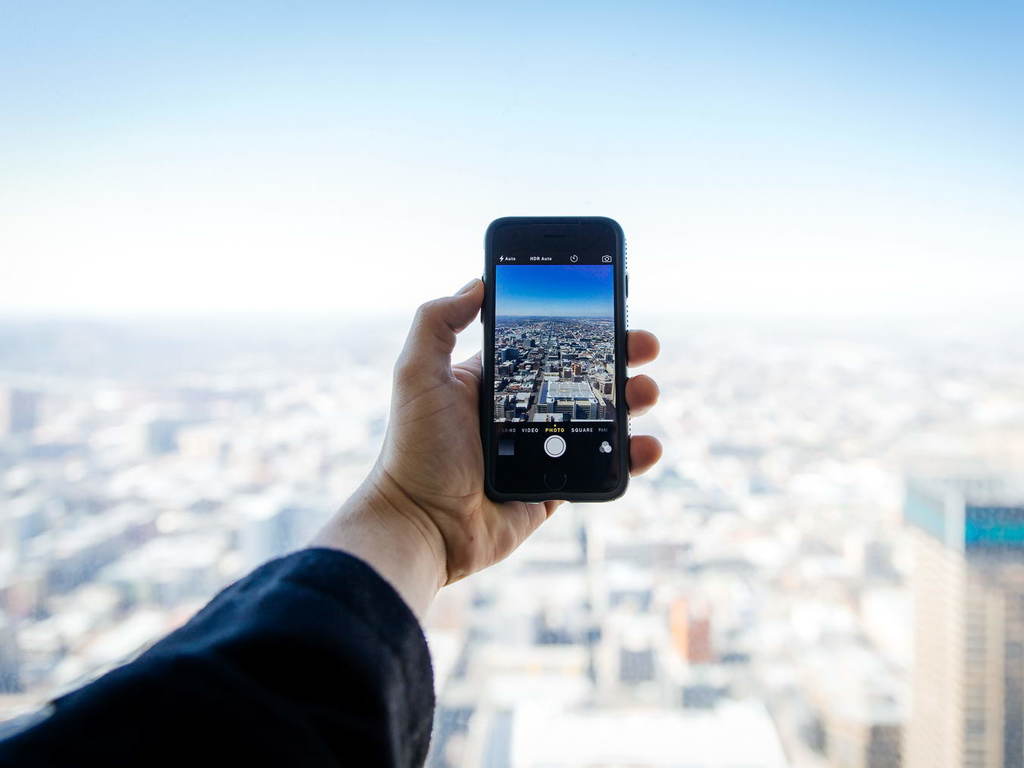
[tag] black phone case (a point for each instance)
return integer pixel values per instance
(487, 381)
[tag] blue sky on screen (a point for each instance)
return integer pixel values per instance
(762, 157)
(554, 291)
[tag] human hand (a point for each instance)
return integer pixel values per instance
(429, 480)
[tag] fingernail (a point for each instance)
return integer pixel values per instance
(468, 286)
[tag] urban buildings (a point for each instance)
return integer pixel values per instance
(749, 602)
(554, 369)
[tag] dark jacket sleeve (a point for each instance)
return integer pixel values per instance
(311, 660)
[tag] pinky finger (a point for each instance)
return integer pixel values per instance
(644, 452)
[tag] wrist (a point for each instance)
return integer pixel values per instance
(382, 526)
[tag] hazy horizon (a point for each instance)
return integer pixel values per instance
(800, 159)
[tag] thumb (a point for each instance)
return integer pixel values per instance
(431, 339)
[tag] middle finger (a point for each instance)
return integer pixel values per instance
(641, 393)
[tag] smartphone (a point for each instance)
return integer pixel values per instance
(553, 417)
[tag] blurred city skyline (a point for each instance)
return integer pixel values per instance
(216, 224)
(760, 579)
(841, 159)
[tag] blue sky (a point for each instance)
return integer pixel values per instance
(859, 158)
(554, 291)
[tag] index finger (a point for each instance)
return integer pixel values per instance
(641, 347)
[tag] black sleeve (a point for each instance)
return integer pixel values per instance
(311, 660)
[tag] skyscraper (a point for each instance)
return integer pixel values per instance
(968, 585)
(19, 411)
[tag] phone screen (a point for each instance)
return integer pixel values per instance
(555, 401)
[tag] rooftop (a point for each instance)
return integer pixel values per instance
(657, 738)
(565, 390)
(968, 513)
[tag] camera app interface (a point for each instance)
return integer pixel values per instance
(554, 371)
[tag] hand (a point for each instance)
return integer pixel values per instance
(428, 483)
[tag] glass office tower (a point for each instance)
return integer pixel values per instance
(968, 586)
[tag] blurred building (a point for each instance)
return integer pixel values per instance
(968, 586)
(739, 734)
(860, 701)
(10, 676)
(691, 632)
(19, 411)
(162, 435)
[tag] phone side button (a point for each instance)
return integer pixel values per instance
(555, 481)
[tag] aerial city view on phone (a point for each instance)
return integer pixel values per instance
(554, 343)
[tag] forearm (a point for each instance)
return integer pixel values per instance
(380, 525)
(310, 660)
